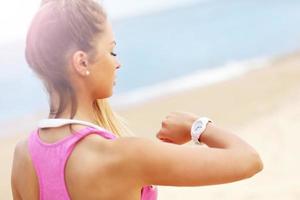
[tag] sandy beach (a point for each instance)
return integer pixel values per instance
(262, 107)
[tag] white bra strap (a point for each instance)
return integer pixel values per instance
(54, 123)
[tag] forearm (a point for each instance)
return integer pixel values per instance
(248, 158)
(226, 148)
(216, 137)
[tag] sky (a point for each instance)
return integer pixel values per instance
(15, 15)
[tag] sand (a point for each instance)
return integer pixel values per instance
(262, 107)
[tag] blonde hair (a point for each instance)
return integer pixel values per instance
(109, 119)
(60, 28)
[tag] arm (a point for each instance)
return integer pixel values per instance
(227, 159)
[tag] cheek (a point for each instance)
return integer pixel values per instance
(104, 67)
(108, 68)
(103, 77)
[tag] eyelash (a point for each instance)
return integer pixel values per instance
(113, 54)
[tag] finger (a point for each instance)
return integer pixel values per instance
(158, 135)
(166, 140)
(165, 123)
(161, 133)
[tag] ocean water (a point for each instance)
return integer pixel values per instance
(171, 49)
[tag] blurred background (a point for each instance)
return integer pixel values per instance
(158, 41)
(235, 61)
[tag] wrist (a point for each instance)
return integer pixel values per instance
(198, 128)
(206, 132)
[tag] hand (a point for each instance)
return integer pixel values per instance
(176, 127)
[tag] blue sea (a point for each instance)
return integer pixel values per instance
(165, 48)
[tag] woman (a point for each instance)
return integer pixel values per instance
(70, 45)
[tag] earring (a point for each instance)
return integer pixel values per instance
(87, 73)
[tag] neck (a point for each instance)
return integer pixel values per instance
(84, 111)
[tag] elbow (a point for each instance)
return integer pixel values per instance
(260, 165)
(255, 165)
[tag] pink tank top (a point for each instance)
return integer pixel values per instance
(49, 161)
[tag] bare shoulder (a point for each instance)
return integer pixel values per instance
(22, 159)
(101, 157)
(92, 154)
(21, 154)
(17, 159)
(23, 177)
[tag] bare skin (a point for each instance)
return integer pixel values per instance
(118, 169)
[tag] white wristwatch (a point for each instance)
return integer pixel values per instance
(198, 128)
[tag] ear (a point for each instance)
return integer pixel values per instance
(80, 63)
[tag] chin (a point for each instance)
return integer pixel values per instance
(104, 96)
(110, 94)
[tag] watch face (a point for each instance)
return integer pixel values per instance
(198, 127)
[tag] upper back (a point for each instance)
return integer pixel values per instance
(90, 169)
